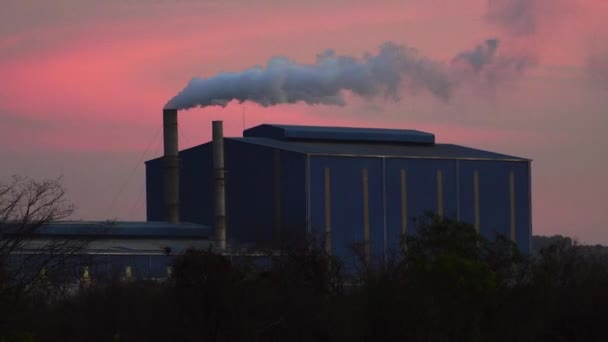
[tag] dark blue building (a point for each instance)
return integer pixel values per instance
(348, 186)
(106, 250)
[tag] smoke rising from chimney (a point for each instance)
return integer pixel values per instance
(480, 56)
(385, 74)
(484, 57)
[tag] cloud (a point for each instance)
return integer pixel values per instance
(518, 17)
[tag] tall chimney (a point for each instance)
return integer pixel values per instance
(171, 165)
(220, 188)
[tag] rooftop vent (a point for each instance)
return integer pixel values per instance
(286, 132)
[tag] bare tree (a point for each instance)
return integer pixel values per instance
(28, 257)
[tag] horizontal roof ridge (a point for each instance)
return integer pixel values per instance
(334, 133)
(366, 149)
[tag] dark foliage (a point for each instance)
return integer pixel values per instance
(448, 285)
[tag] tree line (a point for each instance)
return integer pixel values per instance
(447, 283)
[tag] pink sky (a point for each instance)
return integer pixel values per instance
(84, 83)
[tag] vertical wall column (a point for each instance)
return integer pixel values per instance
(219, 203)
(512, 206)
(366, 232)
(439, 193)
(277, 195)
(457, 190)
(403, 207)
(327, 211)
(307, 192)
(476, 198)
(170, 142)
(384, 214)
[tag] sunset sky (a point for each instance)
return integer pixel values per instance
(83, 84)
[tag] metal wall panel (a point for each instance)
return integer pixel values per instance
(494, 207)
(250, 215)
(265, 193)
(293, 195)
(347, 205)
(493, 192)
(195, 174)
(256, 196)
(155, 196)
(259, 180)
(422, 195)
(523, 219)
(196, 185)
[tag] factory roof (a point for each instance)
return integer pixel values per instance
(436, 151)
(109, 229)
(290, 132)
(359, 142)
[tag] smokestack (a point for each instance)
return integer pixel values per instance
(171, 165)
(220, 188)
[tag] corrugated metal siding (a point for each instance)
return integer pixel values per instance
(196, 178)
(252, 197)
(255, 190)
(249, 193)
(250, 189)
(154, 191)
(347, 204)
(293, 194)
(523, 205)
(195, 174)
(421, 193)
(494, 198)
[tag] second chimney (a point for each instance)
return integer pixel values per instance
(171, 165)
(219, 203)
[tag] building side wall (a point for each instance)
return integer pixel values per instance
(292, 202)
(524, 205)
(196, 185)
(195, 188)
(413, 191)
(343, 177)
(265, 193)
(494, 204)
(154, 191)
(401, 191)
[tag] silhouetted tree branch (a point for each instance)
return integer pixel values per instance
(28, 258)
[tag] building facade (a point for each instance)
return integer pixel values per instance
(348, 187)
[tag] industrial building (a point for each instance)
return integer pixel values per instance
(107, 250)
(341, 186)
(337, 186)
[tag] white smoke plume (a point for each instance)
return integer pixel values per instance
(484, 57)
(385, 74)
